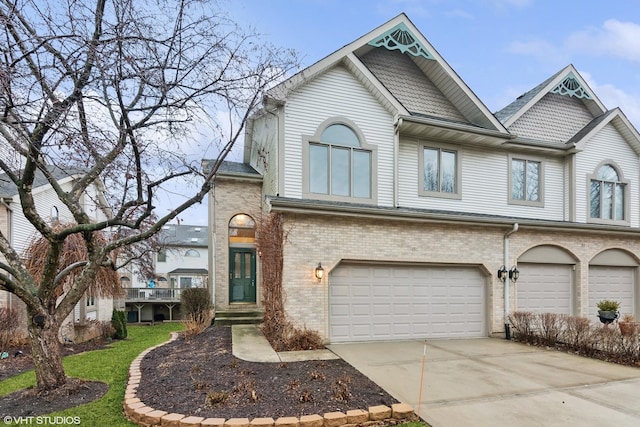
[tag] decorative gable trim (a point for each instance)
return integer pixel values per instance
(570, 86)
(402, 39)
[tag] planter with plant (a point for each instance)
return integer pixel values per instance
(608, 311)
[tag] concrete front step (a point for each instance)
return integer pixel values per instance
(238, 318)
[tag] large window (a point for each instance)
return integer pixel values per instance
(340, 165)
(440, 171)
(607, 195)
(526, 178)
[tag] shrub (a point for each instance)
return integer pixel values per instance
(119, 323)
(8, 326)
(578, 333)
(196, 309)
(608, 305)
(550, 326)
(522, 322)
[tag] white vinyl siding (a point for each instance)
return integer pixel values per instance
(337, 93)
(264, 154)
(484, 184)
(380, 302)
(606, 145)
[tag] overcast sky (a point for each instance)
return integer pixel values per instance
(500, 48)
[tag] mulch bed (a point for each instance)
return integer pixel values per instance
(25, 403)
(201, 377)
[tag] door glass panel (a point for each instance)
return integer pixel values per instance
(247, 265)
(237, 270)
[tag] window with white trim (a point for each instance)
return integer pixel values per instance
(607, 195)
(439, 173)
(526, 178)
(340, 166)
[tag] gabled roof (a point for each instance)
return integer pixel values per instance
(184, 235)
(9, 189)
(617, 118)
(398, 35)
(565, 82)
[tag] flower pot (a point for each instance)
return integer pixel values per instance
(629, 328)
(607, 316)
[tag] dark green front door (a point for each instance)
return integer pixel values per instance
(242, 275)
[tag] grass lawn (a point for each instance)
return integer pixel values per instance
(111, 366)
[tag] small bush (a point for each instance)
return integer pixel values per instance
(119, 323)
(550, 326)
(523, 325)
(216, 397)
(8, 327)
(608, 305)
(196, 309)
(578, 333)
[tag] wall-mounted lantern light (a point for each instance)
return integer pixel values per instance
(319, 272)
(502, 273)
(514, 273)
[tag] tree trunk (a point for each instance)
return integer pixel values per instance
(45, 349)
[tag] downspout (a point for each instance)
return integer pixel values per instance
(396, 162)
(507, 280)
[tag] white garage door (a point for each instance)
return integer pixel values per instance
(612, 283)
(385, 302)
(544, 288)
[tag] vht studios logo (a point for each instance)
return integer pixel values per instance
(42, 420)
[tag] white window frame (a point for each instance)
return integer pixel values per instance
(626, 192)
(527, 159)
(458, 174)
(307, 141)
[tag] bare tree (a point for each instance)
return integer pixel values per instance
(113, 88)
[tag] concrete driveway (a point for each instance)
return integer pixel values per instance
(495, 382)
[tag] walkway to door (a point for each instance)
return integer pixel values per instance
(494, 382)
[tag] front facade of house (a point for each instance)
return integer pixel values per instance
(81, 324)
(393, 175)
(180, 263)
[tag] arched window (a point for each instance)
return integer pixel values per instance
(339, 163)
(242, 230)
(192, 253)
(607, 195)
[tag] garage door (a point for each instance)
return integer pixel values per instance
(544, 288)
(384, 302)
(612, 283)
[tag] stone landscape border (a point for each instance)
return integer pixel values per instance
(137, 412)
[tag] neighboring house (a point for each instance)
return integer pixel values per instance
(20, 233)
(180, 263)
(426, 211)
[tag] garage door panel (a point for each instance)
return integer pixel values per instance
(544, 288)
(612, 283)
(408, 302)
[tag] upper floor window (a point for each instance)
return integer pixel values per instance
(162, 255)
(607, 195)
(440, 171)
(340, 164)
(192, 253)
(526, 178)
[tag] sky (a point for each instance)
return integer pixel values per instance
(500, 48)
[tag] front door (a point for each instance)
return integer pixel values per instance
(242, 275)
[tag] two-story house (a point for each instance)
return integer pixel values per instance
(412, 211)
(81, 324)
(181, 262)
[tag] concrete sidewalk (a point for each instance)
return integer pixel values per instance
(494, 383)
(248, 343)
